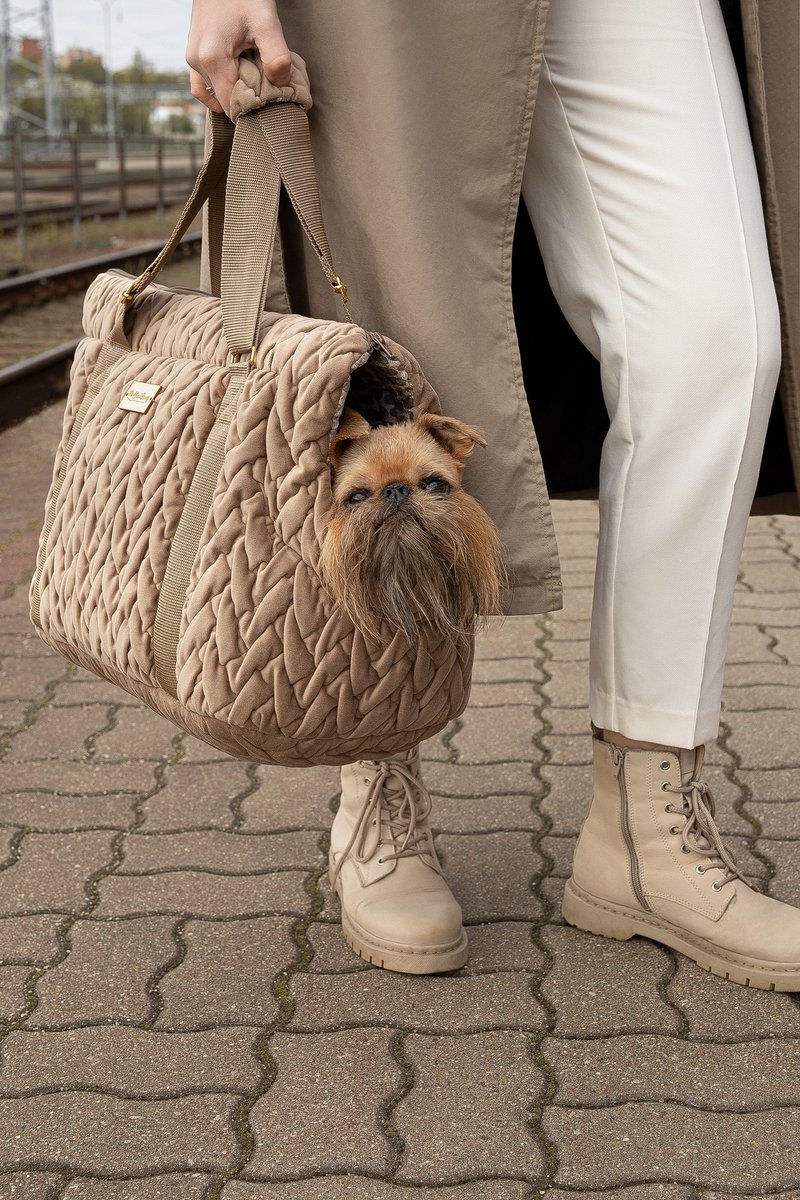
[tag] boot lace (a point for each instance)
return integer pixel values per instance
(700, 833)
(399, 802)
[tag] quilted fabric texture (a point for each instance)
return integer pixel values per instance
(267, 669)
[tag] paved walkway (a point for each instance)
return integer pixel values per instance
(182, 1020)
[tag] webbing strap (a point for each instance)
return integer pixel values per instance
(172, 596)
(251, 207)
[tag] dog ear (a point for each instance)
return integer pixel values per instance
(453, 435)
(352, 427)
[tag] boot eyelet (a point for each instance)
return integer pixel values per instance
(716, 887)
(674, 829)
(700, 869)
(684, 849)
(664, 765)
(667, 808)
(380, 860)
(664, 787)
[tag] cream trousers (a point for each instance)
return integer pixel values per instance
(642, 190)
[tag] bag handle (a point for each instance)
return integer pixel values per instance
(285, 146)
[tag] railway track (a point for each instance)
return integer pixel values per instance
(42, 375)
(40, 286)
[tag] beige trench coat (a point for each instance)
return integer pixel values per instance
(420, 127)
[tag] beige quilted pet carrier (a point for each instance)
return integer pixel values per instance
(192, 488)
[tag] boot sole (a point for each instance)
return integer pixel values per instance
(593, 915)
(412, 961)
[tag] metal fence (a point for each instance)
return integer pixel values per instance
(67, 180)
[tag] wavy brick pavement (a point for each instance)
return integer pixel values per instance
(181, 1020)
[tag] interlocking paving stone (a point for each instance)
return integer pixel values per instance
(505, 669)
(469, 1110)
(12, 990)
(105, 975)
(491, 735)
(361, 1187)
(449, 1003)
(134, 1062)
(567, 720)
(719, 1010)
(777, 819)
(202, 894)
(504, 632)
(58, 733)
(747, 644)
(771, 785)
(766, 739)
(138, 733)
(643, 1191)
(602, 986)
(612, 1146)
(774, 618)
(89, 1131)
(788, 641)
(226, 976)
(497, 695)
(563, 650)
(27, 1185)
(568, 797)
(196, 797)
(52, 870)
(45, 812)
(497, 946)
(319, 1077)
(490, 874)
(465, 814)
(486, 781)
(786, 883)
(773, 577)
(210, 850)
(173, 1186)
(12, 714)
(757, 698)
(569, 685)
(73, 779)
(741, 1076)
(29, 939)
(27, 678)
(776, 673)
(571, 749)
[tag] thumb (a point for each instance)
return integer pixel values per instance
(274, 53)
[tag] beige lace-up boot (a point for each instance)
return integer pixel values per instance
(397, 909)
(651, 861)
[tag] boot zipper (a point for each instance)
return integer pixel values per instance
(619, 770)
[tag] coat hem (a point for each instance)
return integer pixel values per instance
(533, 598)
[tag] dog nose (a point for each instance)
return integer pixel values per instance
(396, 492)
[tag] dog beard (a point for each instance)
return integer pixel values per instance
(430, 565)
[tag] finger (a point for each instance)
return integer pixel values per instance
(217, 69)
(273, 50)
(200, 90)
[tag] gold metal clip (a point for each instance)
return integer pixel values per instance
(133, 289)
(340, 287)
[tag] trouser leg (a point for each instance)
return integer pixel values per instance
(642, 190)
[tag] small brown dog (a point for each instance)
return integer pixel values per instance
(406, 545)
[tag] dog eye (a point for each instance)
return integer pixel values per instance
(435, 484)
(356, 497)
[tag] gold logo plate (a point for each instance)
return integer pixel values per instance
(139, 396)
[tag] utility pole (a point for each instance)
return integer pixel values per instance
(5, 77)
(33, 24)
(111, 120)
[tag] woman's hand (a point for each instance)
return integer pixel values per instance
(218, 34)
